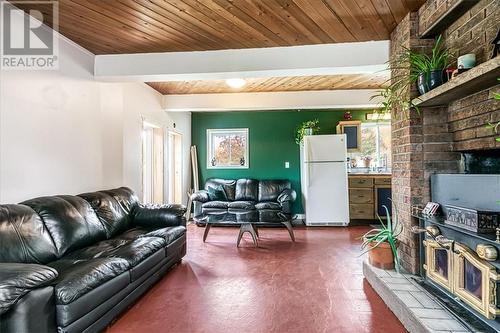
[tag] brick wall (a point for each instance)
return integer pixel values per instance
(468, 118)
(407, 149)
(426, 143)
(472, 32)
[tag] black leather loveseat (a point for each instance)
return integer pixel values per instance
(245, 195)
(73, 263)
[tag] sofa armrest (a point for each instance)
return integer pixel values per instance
(287, 195)
(200, 196)
(159, 216)
(285, 199)
(17, 279)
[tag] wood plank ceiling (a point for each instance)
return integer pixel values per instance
(294, 83)
(132, 26)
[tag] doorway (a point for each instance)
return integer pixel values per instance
(174, 167)
(152, 163)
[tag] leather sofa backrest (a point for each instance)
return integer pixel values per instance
(247, 189)
(251, 189)
(24, 238)
(113, 208)
(269, 190)
(228, 184)
(70, 220)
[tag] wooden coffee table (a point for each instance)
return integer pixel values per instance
(249, 221)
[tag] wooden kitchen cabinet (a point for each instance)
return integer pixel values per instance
(365, 195)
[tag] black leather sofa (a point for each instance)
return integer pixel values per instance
(73, 263)
(246, 195)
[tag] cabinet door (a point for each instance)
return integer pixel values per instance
(360, 195)
(383, 198)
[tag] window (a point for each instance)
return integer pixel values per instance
(375, 146)
(227, 148)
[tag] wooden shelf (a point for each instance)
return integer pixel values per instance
(450, 16)
(474, 80)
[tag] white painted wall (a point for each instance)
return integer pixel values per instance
(62, 132)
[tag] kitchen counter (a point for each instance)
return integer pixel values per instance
(369, 174)
(368, 193)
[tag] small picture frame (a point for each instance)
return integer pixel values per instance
(430, 209)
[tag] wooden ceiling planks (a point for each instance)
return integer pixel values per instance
(133, 26)
(293, 83)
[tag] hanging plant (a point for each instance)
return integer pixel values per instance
(309, 127)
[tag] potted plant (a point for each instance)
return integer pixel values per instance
(382, 243)
(367, 160)
(309, 127)
(427, 70)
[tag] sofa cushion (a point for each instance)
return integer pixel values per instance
(23, 236)
(269, 190)
(132, 250)
(229, 186)
(217, 193)
(215, 204)
(16, 280)
(246, 205)
(247, 190)
(268, 205)
(112, 208)
(70, 220)
(79, 276)
(169, 234)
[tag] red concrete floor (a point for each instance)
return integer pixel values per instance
(313, 285)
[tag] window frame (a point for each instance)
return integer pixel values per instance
(210, 150)
(375, 124)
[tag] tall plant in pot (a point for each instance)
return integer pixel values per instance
(381, 243)
(425, 69)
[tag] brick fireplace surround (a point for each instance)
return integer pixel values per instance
(434, 140)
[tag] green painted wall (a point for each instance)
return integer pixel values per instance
(271, 141)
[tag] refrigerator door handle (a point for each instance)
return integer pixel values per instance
(308, 174)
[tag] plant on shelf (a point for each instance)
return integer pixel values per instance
(495, 126)
(382, 243)
(309, 127)
(426, 70)
(410, 67)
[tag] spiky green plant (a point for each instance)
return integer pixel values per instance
(410, 64)
(386, 233)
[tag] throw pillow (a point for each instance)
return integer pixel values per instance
(217, 193)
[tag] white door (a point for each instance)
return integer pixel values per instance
(325, 148)
(327, 199)
(174, 167)
(152, 163)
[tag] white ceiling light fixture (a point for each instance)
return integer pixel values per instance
(236, 83)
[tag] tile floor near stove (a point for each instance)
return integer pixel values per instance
(313, 285)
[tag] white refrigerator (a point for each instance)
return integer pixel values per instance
(323, 171)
